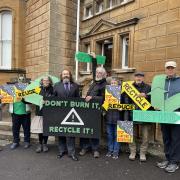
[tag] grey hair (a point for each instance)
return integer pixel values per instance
(102, 69)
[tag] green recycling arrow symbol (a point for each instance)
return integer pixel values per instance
(158, 95)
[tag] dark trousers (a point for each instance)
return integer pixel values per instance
(66, 143)
(86, 143)
(17, 121)
(171, 140)
(42, 139)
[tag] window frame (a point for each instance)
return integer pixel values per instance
(98, 4)
(85, 11)
(125, 61)
(9, 66)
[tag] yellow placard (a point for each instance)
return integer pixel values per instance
(27, 92)
(112, 102)
(122, 136)
(6, 97)
(121, 106)
(133, 93)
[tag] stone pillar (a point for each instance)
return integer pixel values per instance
(62, 35)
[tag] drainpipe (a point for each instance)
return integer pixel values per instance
(77, 36)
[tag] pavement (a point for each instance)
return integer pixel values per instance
(21, 164)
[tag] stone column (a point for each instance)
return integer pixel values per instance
(62, 35)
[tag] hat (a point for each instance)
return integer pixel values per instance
(139, 74)
(170, 64)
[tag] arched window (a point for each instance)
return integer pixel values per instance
(5, 39)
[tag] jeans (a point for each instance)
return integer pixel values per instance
(113, 145)
(17, 121)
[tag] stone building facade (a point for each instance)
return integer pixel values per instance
(43, 37)
(135, 35)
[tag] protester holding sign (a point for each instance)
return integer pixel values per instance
(171, 132)
(143, 89)
(96, 91)
(64, 89)
(21, 115)
(46, 86)
(112, 116)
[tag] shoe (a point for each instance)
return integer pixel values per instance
(1, 149)
(96, 154)
(45, 148)
(109, 154)
(82, 152)
(14, 145)
(26, 145)
(142, 157)
(162, 164)
(74, 157)
(115, 157)
(39, 148)
(171, 168)
(60, 155)
(132, 156)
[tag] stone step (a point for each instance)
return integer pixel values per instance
(7, 135)
(5, 126)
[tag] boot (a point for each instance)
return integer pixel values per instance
(39, 148)
(142, 157)
(45, 148)
(132, 155)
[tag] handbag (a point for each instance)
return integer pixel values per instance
(37, 125)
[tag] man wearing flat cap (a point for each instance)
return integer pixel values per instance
(171, 132)
(144, 89)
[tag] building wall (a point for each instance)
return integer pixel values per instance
(50, 36)
(156, 37)
(37, 23)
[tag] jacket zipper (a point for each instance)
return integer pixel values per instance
(169, 83)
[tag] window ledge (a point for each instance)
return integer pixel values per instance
(85, 73)
(123, 71)
(15, 70)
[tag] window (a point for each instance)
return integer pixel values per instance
(125, 51)
(5, 39)
(111, 3)
(99, 6)
(88, 11)
(123, 1)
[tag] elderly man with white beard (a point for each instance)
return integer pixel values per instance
(96, 91)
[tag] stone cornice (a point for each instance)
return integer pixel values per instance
(111, 25)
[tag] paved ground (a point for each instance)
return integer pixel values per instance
(23, 164)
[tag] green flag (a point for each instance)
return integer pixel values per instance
(83, 57)
(101, 59)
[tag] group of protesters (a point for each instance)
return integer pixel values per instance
(67, 88)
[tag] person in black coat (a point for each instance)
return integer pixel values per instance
(64, 89)
(96, 91)
(46, 86)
